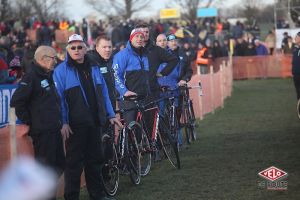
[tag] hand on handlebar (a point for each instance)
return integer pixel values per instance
(159, 75)
(182, 83)
(130, 93)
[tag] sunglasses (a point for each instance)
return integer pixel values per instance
(76, 47)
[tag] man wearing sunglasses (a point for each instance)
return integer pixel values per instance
(85, 107)
(37, 105)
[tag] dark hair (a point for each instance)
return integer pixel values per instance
(142, 25)
(102, 37)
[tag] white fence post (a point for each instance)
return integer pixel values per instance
(212, 91)
(12, 133)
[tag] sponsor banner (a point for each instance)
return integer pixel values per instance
(207, 12)
(6, 92)
(169, 13)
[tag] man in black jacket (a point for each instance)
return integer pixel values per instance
(37, 106)
(102, 55)
(156, 56)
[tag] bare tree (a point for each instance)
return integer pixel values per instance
(123, 8)
(3, 9)
(46, 8)
(250, 9)
(189, 7)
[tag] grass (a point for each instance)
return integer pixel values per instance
(258, 128)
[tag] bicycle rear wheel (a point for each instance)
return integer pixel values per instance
(133, 157)
(298, 108)
(168, 141)
(192, 121)
(187, 126)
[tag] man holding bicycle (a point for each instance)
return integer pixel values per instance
(179, 76)
(132, 71)
(85, 108)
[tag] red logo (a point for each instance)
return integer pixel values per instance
(272, 173)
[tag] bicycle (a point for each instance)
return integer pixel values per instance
(123, 154)
(187, 112)
(160, 138)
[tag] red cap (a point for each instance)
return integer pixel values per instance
(134, 32)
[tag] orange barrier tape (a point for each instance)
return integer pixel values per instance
(262, 66)
(216, 87)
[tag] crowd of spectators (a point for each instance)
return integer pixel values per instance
(215, 35)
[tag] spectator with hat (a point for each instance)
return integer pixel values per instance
(131, 71)
(86, 107)
(185, 70)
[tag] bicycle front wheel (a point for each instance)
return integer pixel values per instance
(144, 147)
(133, 157)
(110, 173)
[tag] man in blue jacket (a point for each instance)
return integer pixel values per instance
(261, 49)
(180, 75)
(132, 71)
(85, 108)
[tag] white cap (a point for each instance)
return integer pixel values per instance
(75, 37)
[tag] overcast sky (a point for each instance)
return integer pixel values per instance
(77, 9)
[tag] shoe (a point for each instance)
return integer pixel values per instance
(107, 198)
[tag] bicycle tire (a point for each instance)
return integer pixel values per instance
(169, 142)
(187, 127)
(144, 147)
(133, 157)
(298, 108)
(110, 173)
(192, 121)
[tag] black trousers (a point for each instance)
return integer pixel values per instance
(84, 151)
(48, 149)
(296, 79)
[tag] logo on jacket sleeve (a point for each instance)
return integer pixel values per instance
(103, 70)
